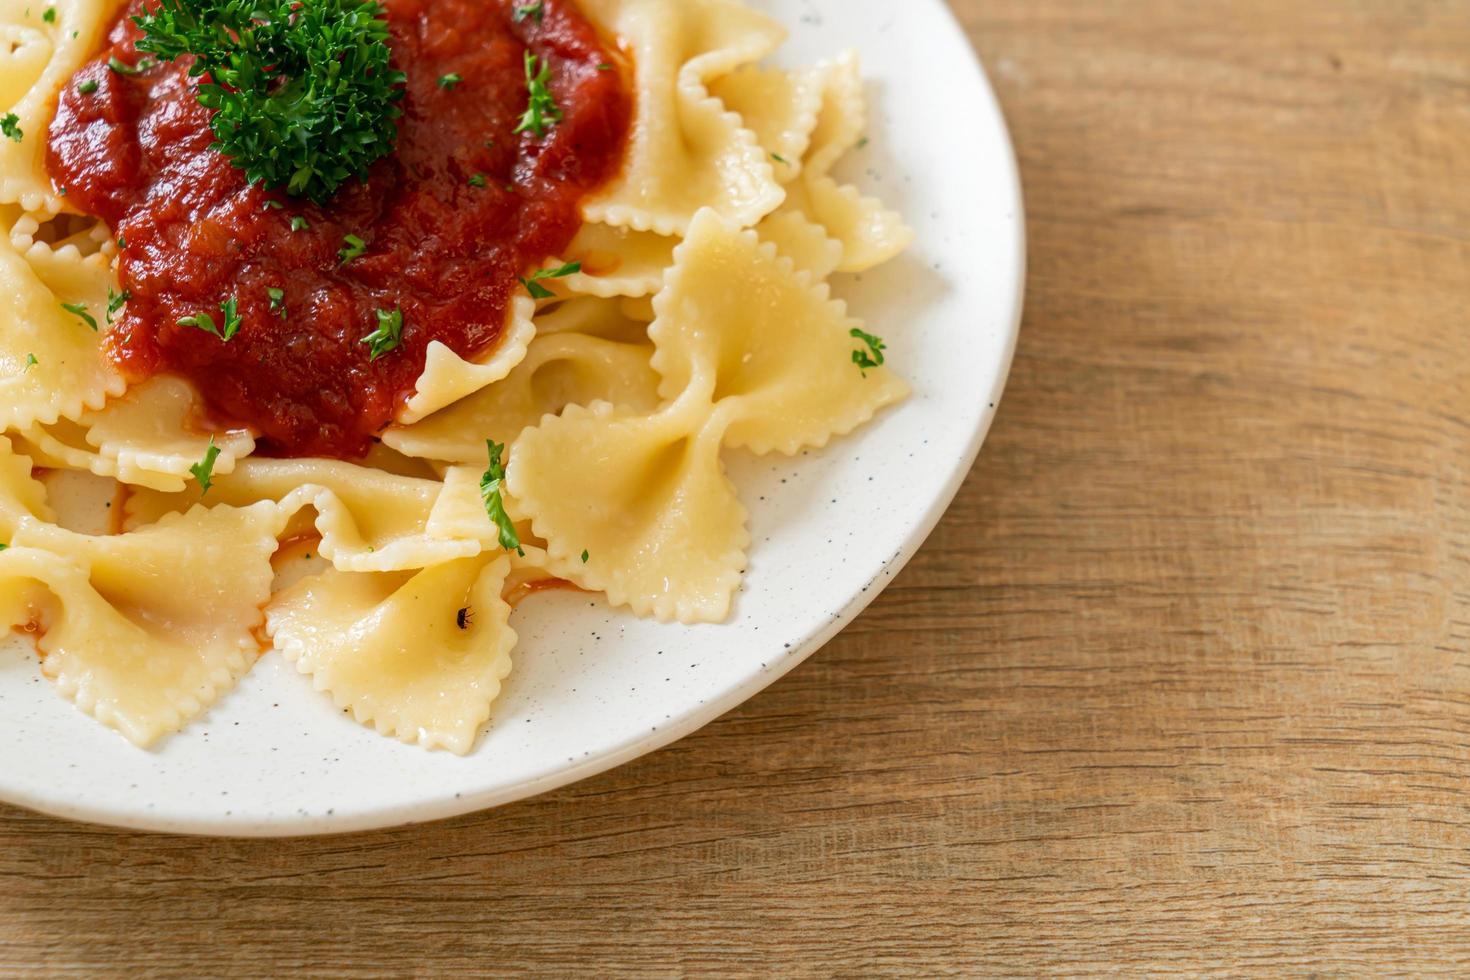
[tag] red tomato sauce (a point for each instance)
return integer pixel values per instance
(136, 153)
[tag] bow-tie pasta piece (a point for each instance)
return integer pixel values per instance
(624, 320)
(36, 58)
(870, 233)
(144, 438)
(145, 630)
(780, 349)
(779, 106)
(686, 151)
(447, 377)
(803, 242)
(418, 656)
(618, 261)
(645, 497)
(560, 369)
(21, 495)
(369, 520)
(51, 365)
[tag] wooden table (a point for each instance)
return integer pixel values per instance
(1182, 681)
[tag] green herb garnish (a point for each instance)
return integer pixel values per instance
(352, 248)
(871, 358)
(88, 87)
(303, 93)
(115, 301)
(123, 68)
(542, 111)
(30, 363)
(204, 469)
(278, 299)
(586, 556)
(780, 159)
(388, 336)
(533, 282)
(50, 15)
(490, 485)
(80, 309)
(447, 82)
(205, 322)
(298, 223)
(524, 10)
(10, 126)
(478, 180)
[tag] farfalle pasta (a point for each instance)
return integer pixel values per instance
(654, 210)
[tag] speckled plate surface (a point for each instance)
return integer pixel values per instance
(594, 687)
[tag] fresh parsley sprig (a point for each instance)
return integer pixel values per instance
(490, 493)
(533, 281)
(388, 336)
(867, 360)
(80, 309)
(205, 322)
(303, 93)
(204, 469)
(542, 112)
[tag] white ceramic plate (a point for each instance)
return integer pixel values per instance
(594, 687)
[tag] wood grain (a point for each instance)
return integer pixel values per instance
(1181, 683)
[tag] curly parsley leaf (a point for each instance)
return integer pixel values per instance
(533, 282)
(490, 493)
(352, 248)
(542, 112)
(871, 358)
(80, 309)
(388, 336)
(204, 469)
(116, 301)
(205, 322)
(304, 96)
(121, 67)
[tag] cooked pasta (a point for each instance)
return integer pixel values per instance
(687, 312)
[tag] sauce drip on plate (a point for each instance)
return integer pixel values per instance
(449, 220)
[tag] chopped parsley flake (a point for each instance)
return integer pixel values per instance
(780, 159)
(352, 247)
(542, 111)
(10, 126)
(524, 10)
(115, 301)
(30, 363)
(88, 87)
(303, 94)
(533, 282)
(123, 68)
(490, 485)
(298, 223)
(447, 82)
(278, 299)
(478, 180)
(122, 242)
(871, 358)
(388, 336)
(204, 469)
(205, 322)
(80, 309)
(604, 67)
(586, 556)
(50, 15)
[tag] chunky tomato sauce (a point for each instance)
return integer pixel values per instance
(450, 220)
